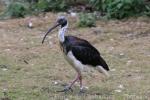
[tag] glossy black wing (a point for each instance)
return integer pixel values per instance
(75, 41)
(88, 56)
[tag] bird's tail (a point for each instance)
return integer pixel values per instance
(102, 70)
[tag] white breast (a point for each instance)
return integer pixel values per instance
(77, 65)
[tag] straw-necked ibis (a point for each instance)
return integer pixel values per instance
(78, 52)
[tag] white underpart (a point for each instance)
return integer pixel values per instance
(61, 34)
(102, 70)
(77, 65)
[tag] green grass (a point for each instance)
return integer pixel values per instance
(32, 68)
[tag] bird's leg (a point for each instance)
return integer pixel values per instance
(76, 79)
(80, 79)
(81, 86)
(67, 88)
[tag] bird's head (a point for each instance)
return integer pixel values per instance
(61, 21)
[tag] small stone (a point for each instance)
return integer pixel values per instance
(55, 82)
(21, 39)
(113, 70)
(118, 91)
(129, 62)
(121, 86)
(4, 69)
(121, 54)
(111, 39)
(4, 89)
(30, 24)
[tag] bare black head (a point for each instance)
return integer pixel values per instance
(61, 21)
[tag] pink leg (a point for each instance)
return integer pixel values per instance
(76, 79)
(81, 86)
(80, 79)
(67, 88)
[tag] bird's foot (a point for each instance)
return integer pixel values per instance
(82, 91)
(66, 89)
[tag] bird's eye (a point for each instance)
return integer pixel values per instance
(60, 21)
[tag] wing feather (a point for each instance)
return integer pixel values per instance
(89, 56)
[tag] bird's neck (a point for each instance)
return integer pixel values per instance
(61, 34)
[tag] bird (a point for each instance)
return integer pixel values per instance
(78, 52)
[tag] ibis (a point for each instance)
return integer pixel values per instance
(78, 52)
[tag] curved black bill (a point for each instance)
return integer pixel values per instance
(49, 32)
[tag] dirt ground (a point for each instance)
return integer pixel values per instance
(32, 71)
